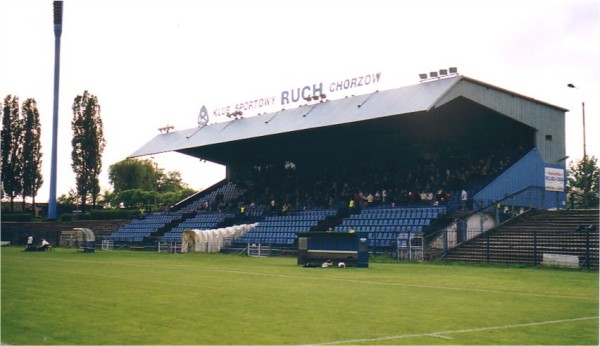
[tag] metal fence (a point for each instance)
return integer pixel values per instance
(529, 247)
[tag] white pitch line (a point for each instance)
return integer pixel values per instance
(441, 334)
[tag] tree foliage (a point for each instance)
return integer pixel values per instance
(12, 149)
(141, 184)
(88, 145)
(582, 183)
(131, 174)
(21, 150)
(170, 181)
(32, 150)
(69, 199)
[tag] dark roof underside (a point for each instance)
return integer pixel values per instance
(458, 121)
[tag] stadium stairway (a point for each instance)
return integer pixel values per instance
(139, 229)
(187, 214)
(526, 238)
(220, 193)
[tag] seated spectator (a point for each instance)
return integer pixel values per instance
(285, 209)
(44, 246)
(370, 199)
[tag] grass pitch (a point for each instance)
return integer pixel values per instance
(123, 297)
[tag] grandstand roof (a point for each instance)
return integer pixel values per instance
(293, 132)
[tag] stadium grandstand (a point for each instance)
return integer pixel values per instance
(399, 165)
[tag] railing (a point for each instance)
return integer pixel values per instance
(528, 198)
(259, 250)
(190, 199)
(438, 244)
(529, 248)
(491, 214)
(168, 247)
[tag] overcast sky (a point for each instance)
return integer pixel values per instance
(156, 63)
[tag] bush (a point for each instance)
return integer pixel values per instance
(114, 214)
(66, 217)
(82, 217)
(17, 217)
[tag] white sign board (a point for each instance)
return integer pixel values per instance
(555, 179)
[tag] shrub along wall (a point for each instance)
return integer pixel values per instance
(17, 232)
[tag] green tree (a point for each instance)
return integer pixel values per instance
(132, 174)
(170, 182)
(172, 197)
(32, 154)
(141, 184)
(135, 198)
(88, 145)
(582, 183)
(12, 148)
(68, 200)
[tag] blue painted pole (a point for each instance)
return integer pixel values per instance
(58, 12)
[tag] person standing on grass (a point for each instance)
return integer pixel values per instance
(29, 243)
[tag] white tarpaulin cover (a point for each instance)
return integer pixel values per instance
(88, 234)
(211, 240)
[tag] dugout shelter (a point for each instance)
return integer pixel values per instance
(387, 130)
(89, 240)
(349, 248)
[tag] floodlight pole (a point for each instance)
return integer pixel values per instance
(58, 13)
(583, 118)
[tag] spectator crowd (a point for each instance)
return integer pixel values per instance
(430, 175)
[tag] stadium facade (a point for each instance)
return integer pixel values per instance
(453, 133)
